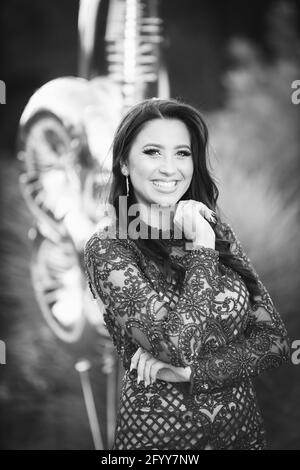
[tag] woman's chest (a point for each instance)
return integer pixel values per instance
(229, 298)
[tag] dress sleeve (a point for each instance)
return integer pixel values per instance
(263, 346)
(172, 335)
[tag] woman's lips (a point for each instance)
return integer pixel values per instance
(165, 186)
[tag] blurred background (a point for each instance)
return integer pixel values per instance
(235, 60)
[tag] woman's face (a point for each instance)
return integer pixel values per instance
(160, 162)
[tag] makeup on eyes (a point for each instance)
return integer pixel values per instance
(151, 149)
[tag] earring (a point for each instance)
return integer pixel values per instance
(125, 173)
(127, 186)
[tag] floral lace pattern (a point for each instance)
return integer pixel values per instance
(210, 325)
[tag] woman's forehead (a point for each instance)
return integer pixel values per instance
(163, 131)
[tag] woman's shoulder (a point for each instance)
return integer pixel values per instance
(227, 236)
(226, 229)
(103, 243)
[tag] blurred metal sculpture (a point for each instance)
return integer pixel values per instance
(65, 135)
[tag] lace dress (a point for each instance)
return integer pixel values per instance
(210, 325)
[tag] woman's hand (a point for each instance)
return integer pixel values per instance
(193, 217)
(150, 369)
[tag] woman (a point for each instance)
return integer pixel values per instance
(188, 314)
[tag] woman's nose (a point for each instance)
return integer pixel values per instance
(168, 166)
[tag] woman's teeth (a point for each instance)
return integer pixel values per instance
(165, 184)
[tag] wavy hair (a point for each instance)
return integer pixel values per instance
(202, 188)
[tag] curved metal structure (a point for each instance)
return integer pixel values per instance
(66, 131)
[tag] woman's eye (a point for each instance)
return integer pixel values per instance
(156, 152)
(184, 153)
(152, 152)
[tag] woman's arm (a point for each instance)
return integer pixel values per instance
(172, 335)
(264, 347)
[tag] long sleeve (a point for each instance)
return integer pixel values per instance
(264, 344)
(172, 335)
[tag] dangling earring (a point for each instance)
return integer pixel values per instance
(125, 173)
(127, 186)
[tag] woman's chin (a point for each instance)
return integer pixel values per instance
(167, 202)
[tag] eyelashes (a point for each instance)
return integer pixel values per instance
(151, 152)
(185, 153)
(155, 152)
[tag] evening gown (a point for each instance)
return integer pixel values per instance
(209, 323)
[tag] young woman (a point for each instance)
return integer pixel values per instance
(188, 314)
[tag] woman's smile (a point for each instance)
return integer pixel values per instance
(165, 186)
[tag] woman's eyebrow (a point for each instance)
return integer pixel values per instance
(153, 145)
(182, 146)
(162, 146)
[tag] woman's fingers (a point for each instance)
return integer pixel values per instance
(155, 368)
(205, 211)
(148, 368)
(209, 215)
(146, 365)
(186, 212)
(144, 357)
(138, 361)
(135, 358)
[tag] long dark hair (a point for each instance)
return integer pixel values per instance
(202, 188)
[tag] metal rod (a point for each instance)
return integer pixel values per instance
(83, 367)
(111, 398)
(87, 17)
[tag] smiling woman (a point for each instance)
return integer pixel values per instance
(160, 162)
(189, 317)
